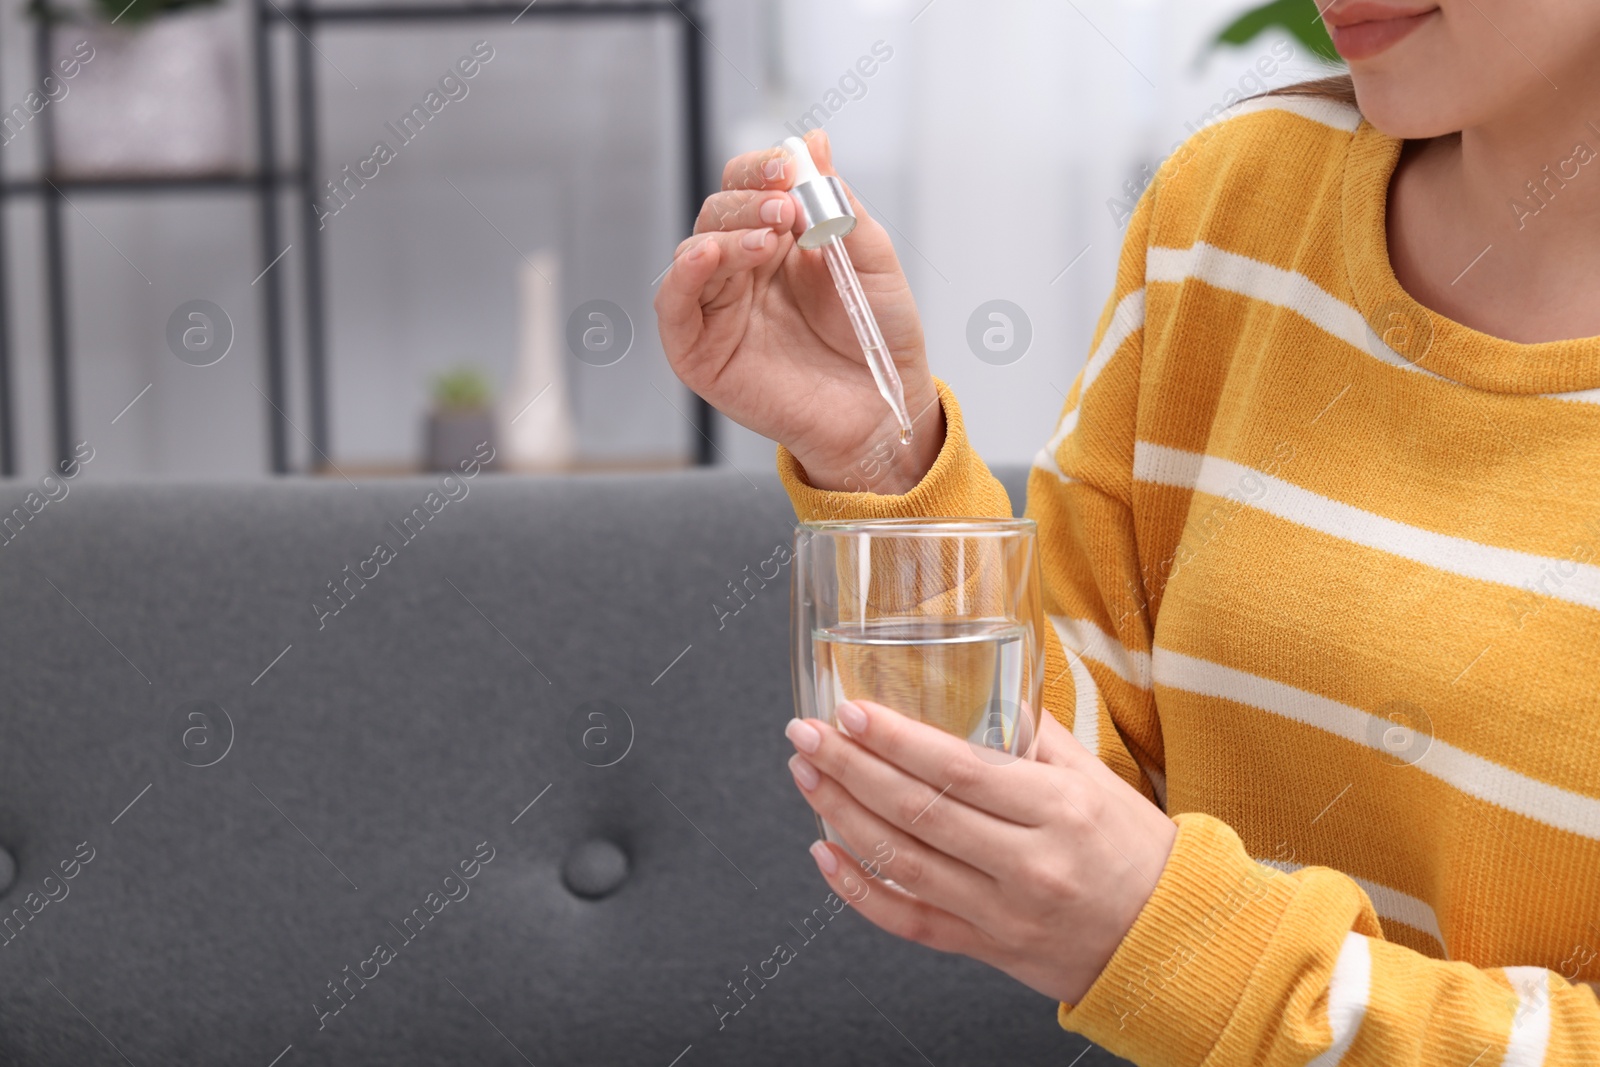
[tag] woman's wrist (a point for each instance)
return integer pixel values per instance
(881, 463)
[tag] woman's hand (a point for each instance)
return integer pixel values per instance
(753, 323)
(1037, 868)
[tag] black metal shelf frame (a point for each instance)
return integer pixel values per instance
(269, 180)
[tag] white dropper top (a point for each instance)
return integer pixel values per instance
(804, 164)
(824, 207)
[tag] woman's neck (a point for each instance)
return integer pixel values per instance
(1498, 227)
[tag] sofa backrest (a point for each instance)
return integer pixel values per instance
(486, 771)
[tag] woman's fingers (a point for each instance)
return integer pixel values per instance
(678, 313)
(1057, 746)
(984, 778)
(909, 803)
(698, 273)
(821, 150)
(939, 879)
(746, 210)
(897, 911)
(770, 168)
(705, 261)
(738, 251)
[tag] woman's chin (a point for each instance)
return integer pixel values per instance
(1407, 107)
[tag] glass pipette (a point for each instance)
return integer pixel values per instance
(826, 214)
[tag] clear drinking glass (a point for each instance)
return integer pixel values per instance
(939, 619)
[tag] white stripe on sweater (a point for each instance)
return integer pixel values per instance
(1473, 775)
(1287, 289)
(1390, 904)
(1530, 1028)
(1158, 782)
(1347, 998)
(1254, 279)
(1085, 704)
(1081, 637)
(1297, 293)
(1326, 112)
(1126, 320)
(1576, 583)
(1582, 396)
(1091, 642)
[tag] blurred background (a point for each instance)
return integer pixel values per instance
(248, 237)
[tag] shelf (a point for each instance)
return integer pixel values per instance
(266, 187)
(475, 9)
(216, 183)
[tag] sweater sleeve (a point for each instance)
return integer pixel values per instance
(958, 484)
(1232, 961)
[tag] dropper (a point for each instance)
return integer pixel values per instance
(826, 213)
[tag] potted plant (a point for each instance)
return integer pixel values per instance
(462, 418)
(161, 93)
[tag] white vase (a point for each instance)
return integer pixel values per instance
(162, 98)
(537, 417)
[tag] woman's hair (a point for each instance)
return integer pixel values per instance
(1340, 87)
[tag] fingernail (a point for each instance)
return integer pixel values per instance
(699, 250)
(853, 718)
(824, 857)
(772, 169)
(756, 240)
(803, 735)
(803, 772)
(772, 212)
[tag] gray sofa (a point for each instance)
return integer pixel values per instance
(512, 791)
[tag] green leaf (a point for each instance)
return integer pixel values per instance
(1300, 18)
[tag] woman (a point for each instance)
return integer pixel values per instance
(1319, 525)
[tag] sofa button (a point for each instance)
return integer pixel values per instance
(8, 871)
(594, 869)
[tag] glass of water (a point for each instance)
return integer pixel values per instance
(939, 619)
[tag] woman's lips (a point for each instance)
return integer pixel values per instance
(1362, 40)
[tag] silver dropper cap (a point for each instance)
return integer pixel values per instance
(824, 207)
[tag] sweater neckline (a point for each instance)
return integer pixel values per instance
(1422, 336)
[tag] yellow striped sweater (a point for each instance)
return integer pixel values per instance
(1323, 569)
